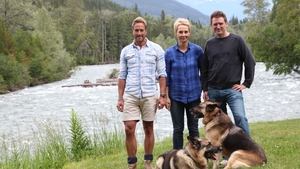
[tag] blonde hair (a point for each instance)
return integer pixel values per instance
(181, 21)
(139, 20)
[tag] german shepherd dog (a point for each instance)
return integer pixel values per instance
(193, 156)
(237, 146)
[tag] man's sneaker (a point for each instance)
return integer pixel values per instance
(132, 166)
(147, 164)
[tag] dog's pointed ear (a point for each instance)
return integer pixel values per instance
(195, 142)
(217, 102)
(191, 139)
(211, 107)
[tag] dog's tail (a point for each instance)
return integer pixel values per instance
(163, 161)
(263, 156)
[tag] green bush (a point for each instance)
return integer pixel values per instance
(15, 75)
(114, 74)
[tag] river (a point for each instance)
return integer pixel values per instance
(24, 113)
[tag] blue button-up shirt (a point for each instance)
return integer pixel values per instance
(140, 67)
(183, 71)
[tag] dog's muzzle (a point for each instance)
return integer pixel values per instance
(211, 151)
(196, 114)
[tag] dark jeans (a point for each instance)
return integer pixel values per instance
(236, 103)
(177, 114)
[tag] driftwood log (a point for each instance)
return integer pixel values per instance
(99, 82)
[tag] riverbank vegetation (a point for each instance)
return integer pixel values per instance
(280, 139)
(52, 149)
(42, 40)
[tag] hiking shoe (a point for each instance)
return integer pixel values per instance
(147, 164)
(132, 166)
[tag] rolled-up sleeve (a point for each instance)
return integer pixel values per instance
(123, 65)
(161, 65)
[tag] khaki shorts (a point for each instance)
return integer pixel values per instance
(139, 108)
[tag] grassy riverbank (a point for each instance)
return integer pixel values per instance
(102, 150)
(280, 139)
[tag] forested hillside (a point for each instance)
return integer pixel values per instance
(171, 7)
(42, 40)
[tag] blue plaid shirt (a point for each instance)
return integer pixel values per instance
(141, 67)
(183, 72)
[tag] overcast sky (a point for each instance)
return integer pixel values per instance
(230, 7)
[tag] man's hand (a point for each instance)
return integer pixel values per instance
(120, 105)
(238, 87)
(205, 96)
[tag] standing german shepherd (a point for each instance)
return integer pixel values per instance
(237, 146)
(193, 156)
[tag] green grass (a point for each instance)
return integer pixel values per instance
(280, 139)
(50, 152)
(106, 150)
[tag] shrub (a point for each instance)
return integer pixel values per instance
(80, 142)
(114, 74)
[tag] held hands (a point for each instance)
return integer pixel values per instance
(168, 106)
(162, 102)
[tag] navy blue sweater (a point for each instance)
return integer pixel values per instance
(223, 61)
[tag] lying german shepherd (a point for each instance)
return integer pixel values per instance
(193, 156)
(237, 146)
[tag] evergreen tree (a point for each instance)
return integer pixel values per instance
(234, 20)
(162, 16)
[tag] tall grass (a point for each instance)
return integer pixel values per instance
(13, 157)
(50, 152)
(111, 142)
(52, 149)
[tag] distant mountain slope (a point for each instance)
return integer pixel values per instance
(171, 8)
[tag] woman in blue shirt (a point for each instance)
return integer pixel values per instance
(183, 62)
